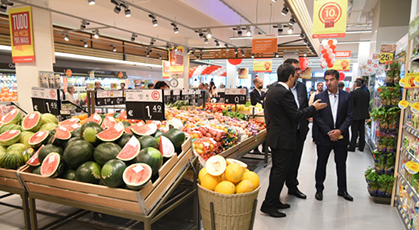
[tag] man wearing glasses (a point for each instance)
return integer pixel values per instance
(300, 95)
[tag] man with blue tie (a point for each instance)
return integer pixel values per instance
(332, 124)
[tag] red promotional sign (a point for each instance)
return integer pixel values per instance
(20, 21)
(303, 63)
(21, 29)
(343, 54)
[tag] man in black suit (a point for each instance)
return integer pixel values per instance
(257, 96)
(282, 117)
(332, 125)
(299, 91)
(361, 100)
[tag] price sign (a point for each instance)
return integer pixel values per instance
(46, 100)
(146, 104)
(167, 96)
(385, 57)
(185, 95)
(176, 95)
(110, 97)
(235, 96)
(192, 97)
(221, 95)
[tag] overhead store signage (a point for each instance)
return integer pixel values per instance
(343, 54)
(110, 97)
(146, 104)
(342, 65)
(329, 18)
(46, 100)
(166, 69)
(21, 34)
(414, 28)
(267, 43)
(176, 60)
(235, 96)
(262, 65)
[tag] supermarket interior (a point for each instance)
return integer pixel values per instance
(210, 114)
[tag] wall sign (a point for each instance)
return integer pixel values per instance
(146, 104)
(235, 96)
(329, 18)
(21, 34)
(267, 43)
(46, 100)
(262, 65)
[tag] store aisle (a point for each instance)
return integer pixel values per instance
(333, 212)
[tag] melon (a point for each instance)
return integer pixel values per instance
(108, 122)
(144, 130)
(152, 157)
(48, 127)
(18, 147)
(148, 141)
(166, 147)
(177, 137)
(47, 149)
(49, 118)
(89, 130)
(32, 122)
(70, 124)
(136, 176)
(34, 160)
(130, 150)
(123, 140)
(111, 134)
(96, 118)
(2, 152)
(62, 133)
(105, 152)
(24, 138)
(13, 117)
(38, 138)
(158, 133)
(9, 127)
(12, 160)
(216, 165)
(77, 153)
(52, 166)
(76, 132)
(70, 174)
(112, 173)
(37, 170)
(174, 123)
(10, 137)
(128, 130)
(88, 172)
(27, 154)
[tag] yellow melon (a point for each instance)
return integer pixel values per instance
(241, 163)
(210, 182)
(252, 177)
(216, 165)
(244, 186)
(246, 170)
(234, 172)
(201, 174)
(225, 187)
(223, 177)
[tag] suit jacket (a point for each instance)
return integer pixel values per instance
(303, 101)
(255, 97)
(324, 120)
(282, 116)
(361, 103)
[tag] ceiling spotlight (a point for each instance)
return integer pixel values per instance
(249, 32)
(83, 25)
(192, 51)
(133, 36)
(167, 45)
(209, 34)
(235, 50)
(152, 41)
(175, 28)
(97, 34)
(175, 47)
(276, 55)
(148, 54)
(216, 42)
(280, 30)
(253, 56)
(160, 56)
(302, 36)
(291, 21)
(243, 54)
(153, 20)
(66, 38)
(227, 47)
(206, 40)
(305, 41)
(239, 33)
(113, 48)
(91, 2)
(274, 0)
(305, 54)
(290, 30)
(200, 56)
(117, 9)
(127, 12)
(85, 45)
(284, 10)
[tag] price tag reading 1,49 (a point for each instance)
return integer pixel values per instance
(235, 96)
(46, 100)
(146, 104)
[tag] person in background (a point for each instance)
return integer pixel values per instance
(212, 89)
(161, 85)
(258, 96)
(361, 103)
(69, 96)
(222, 86)
(150, 86)
(137, 86)
(206, 86)
(98, 85)
(310, 102)
(341, 85)
(333, 133)
(122, 86)
(207, 95)
(363, 87)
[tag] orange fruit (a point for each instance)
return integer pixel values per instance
(210, 182)
(201, 174)
(225, 187)
(234, 172)
(244, 186)
(241, 163)
(216, 165)
(252, 177)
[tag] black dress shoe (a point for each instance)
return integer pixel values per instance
(346, 196)
(361, 149)
(272, 212)
(282, 206)
(296, 192)
(319, 196)
(351, 149)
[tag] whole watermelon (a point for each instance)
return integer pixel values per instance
(77, 153)
(88, 172)
(49, 118)
(89, 130)
(12, 160)
(122, 141)
(76, 133)
(18, 147)
(2, 152)
(9, 127)
(112, 173)
(47, 149)
(152, 157)
(73, 139)
(148, 141)
(105, 152)
(70, 174)
(48, 127)
(177, 137)
(37, 170)
(24, 138)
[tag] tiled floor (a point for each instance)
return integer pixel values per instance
(332, 213)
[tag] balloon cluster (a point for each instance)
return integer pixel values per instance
(328, 53)
(207, 70)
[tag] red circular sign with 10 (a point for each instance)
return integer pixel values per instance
(330, 11)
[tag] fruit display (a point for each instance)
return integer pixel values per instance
(227, 176)
(219, 107)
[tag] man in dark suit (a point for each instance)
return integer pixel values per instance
(361, 100)
(332, 125)
(257, 96)
(282, 117)
(299, 91)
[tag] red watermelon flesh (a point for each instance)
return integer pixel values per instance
(9, 135)
(34, 160)
(108, 122)
(50, 164)
(143, 130)
(38, 137)
(130, 150)
(140, 123)
(166, 147)
(71, 124)
(128, 130)
(31, 120)
(137, 175)
(153, 122)
(62, 133)
(10, 116)
(95, 118)
(111, 134)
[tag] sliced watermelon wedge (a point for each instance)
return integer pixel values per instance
(13, 117)
(108, 122)
(52, 165)
(32, 121)
(71, 124)
(62, 133)
(130, 150)
(10, 137)
(95, 118)
(166, 147)
(111, 134)
(38, 138)
(148, 129)
(34, 160)
(136, 176)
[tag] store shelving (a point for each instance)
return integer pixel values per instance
(403, 214)
(410, 190)
(409, 155)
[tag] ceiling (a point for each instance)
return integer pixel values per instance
(191, 15)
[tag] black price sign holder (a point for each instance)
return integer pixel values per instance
(145, 104)
(109, 97)
(176, 95)
(192, 97)
(185, 95)
(45, 100)
(235, 96)
(221, 95)
(167, 96)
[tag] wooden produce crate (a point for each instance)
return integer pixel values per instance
(141, 202)
(9, 181)
(230, 151)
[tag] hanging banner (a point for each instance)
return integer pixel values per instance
(342, 65)
(267, 43)
(303, 63)
(262, 65)
(343, 54)
(176, 60)
(243, 73)
(329, 18)
(166, 69)
(413, 28)
(21, 34)
(306, 74)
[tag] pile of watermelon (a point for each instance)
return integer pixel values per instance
(16, 133)
(102, 151)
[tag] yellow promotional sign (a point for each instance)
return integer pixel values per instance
(416, 81)
(243, 73)
(403, 104)
(262, 65)
(385, 57)
(176, 60)
(165, 69)
(342, 65)
(329, 18)
(306, 74)
(415, 107)
(408, 80)
(21, 34)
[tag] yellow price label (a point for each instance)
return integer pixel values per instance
(412, 167)
(415, 107)
(402, 82)
(403, 104)
(385, 57)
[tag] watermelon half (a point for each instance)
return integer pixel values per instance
(13, 117)
(108, 122)
(130, 150)
(166, 147)
(96, 118)
(128, 130)
(52, 166)
(34, 160)
(32, 122)
(38, 138)
(71, 124)
(144, 130)
(10, 137)
(62, 133)
(111, 134)
(136, 176)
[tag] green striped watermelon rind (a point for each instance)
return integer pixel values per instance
(131, 169)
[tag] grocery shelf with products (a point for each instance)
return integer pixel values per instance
(8, 87)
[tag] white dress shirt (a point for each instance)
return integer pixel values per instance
(294, 92)
(334, 101)
(283, 84)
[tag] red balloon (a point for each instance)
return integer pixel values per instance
(235, 61)
(330, 65)
(325, 56)
(330, 42)
(324, 51)
(341, 76)
(333, 47)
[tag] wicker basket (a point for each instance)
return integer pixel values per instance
(231, 212)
